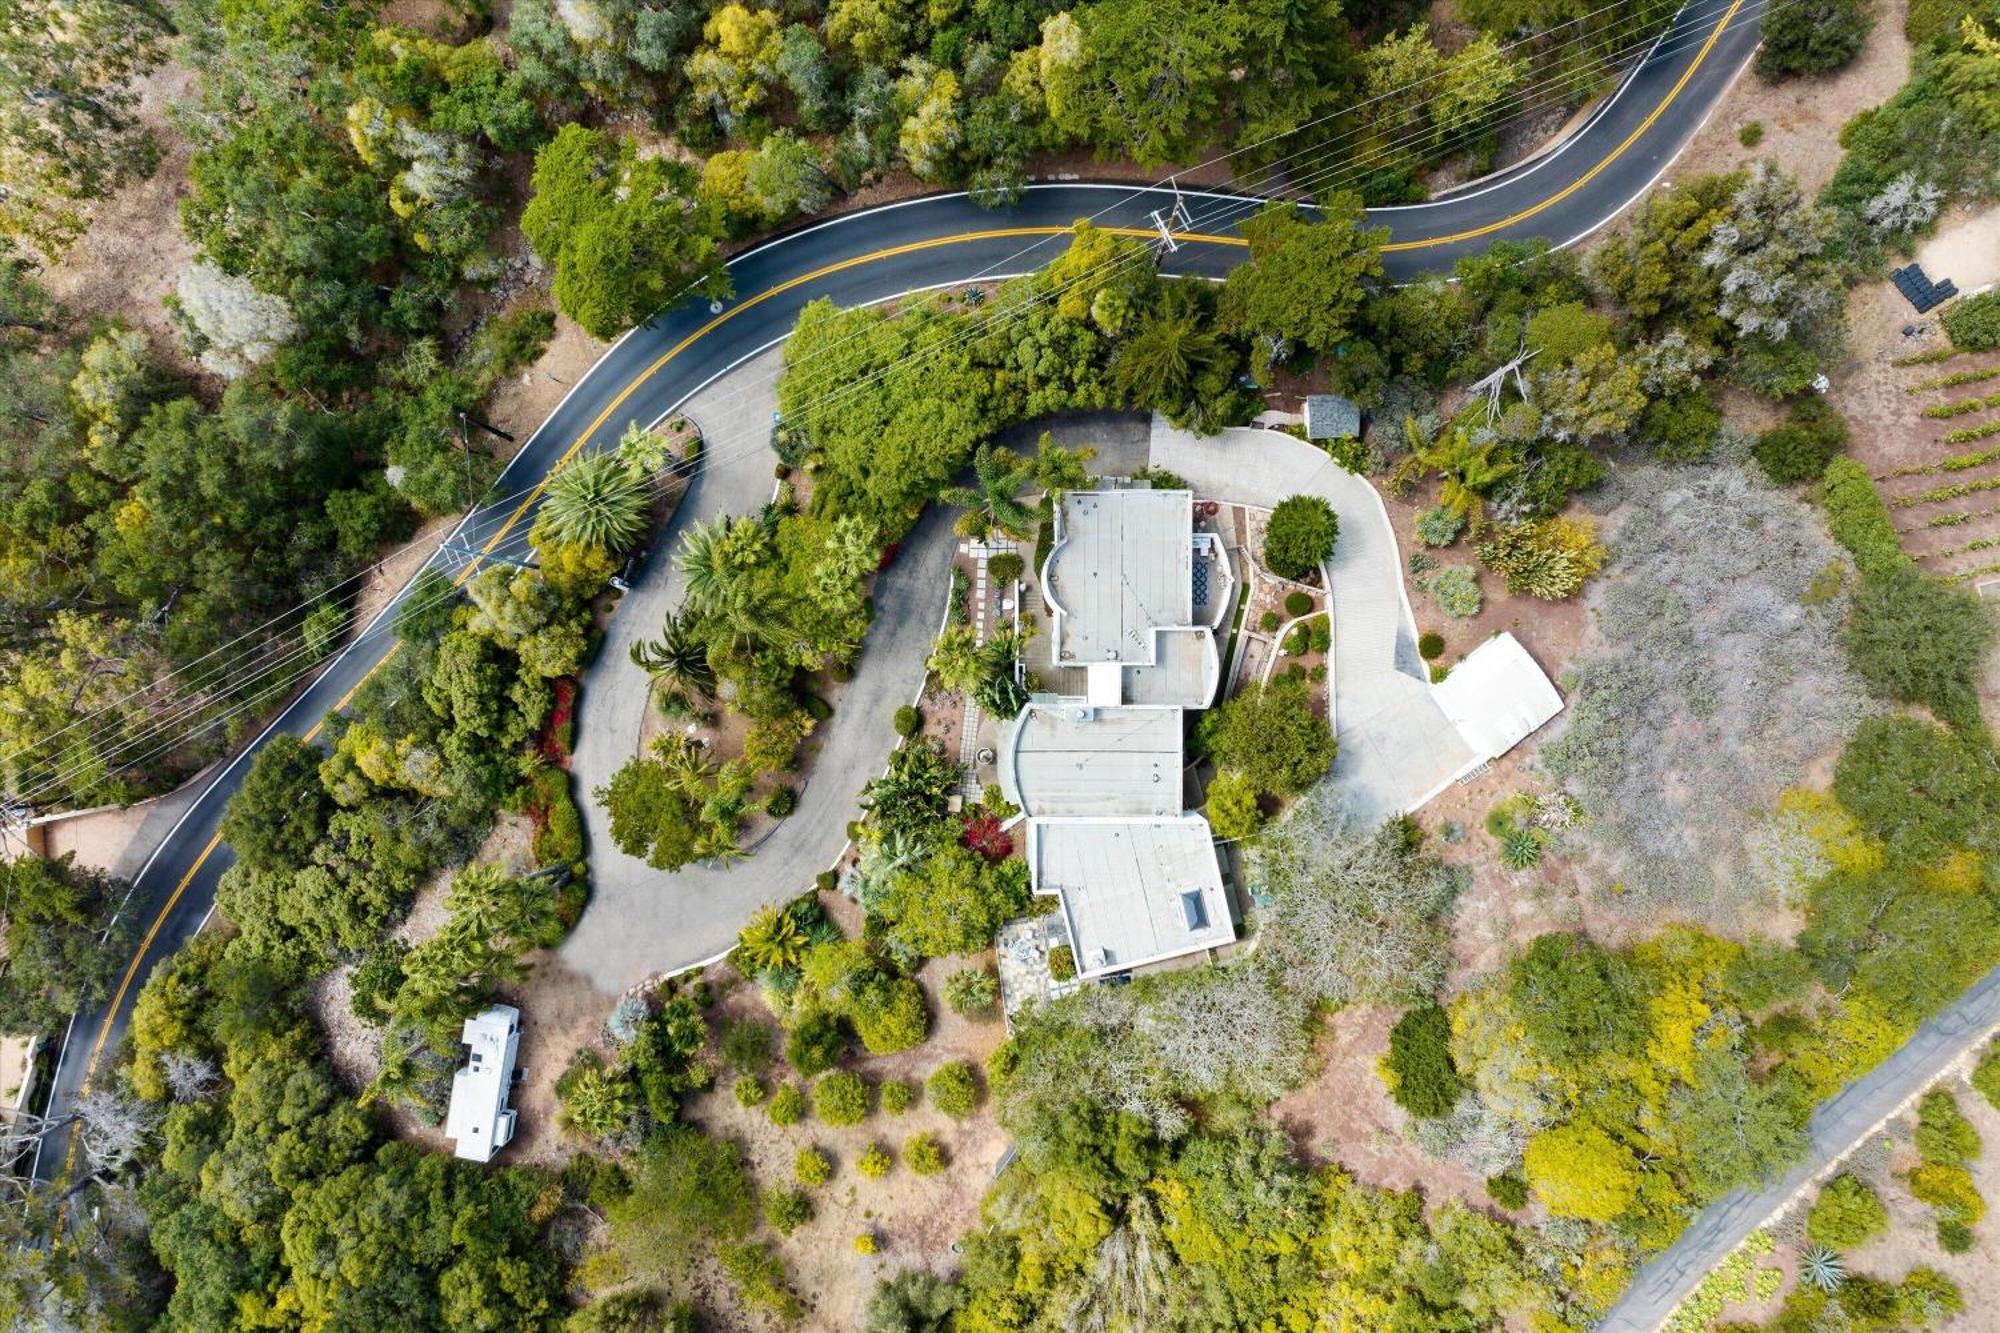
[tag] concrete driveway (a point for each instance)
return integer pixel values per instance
(643, 921)
(1397, 748)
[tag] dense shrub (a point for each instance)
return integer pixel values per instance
(1846, 1214)
(1062, 963)
(1232, 807)
(890, 1015)
(1986, 1077)
(1800, 448)
(1273, 736)
(817, 1043)
(1456, 588)
(1923, 790)
(1422, 1078)
(811, 1167)
(1752, 132)
(787, 1210)
(842, 1099)
(1297, 603)
(897, 1095)
(749, 1090)
(909, 721)
(1922, 640)
(787, 1105)
(1439, 526)
(1005, 567)
(954, 1090)
(1943, 1133)
(781, 802)
(1859, 520)
(923, 1155)
(1812, 36)
(1430, 645)
(875, 1162)
(1508, 1189)
(1974, 323)
(1300, 536)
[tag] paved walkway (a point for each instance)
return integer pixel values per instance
(1396, 745)
(644, 921)
(1836, 1128)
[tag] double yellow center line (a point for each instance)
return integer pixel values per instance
(751, 302)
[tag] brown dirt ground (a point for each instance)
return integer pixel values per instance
(1802, 117)
(133, 254)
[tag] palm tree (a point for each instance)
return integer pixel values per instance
(678, 660)
(994, 500)
(596, 501)
(771, 941)
(1470, 469)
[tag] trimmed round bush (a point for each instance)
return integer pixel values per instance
(1846, 1214)
(841, 1099)
(1954, 1236)
(787, 1105)
(865, 1243)
(1269, 622)
(909, 720)
(1430, 645)
(1751, 134)
(1300, 535)
(816, 1044)
(875, 1163)
(892, 1016)
(897, 1096)
(1062, 963)
(923, 1155)
(1297, 603)
(1800, 449)
(811, 1167)
(954, 1090)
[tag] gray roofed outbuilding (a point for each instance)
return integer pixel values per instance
(1331, 417)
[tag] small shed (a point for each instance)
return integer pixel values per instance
(1331, 417)
(479, 1120)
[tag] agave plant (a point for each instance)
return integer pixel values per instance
(1521, 849)
(1823, 1269)
(596, 501)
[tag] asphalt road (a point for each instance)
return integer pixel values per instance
(939, 240)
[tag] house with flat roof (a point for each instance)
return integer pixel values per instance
(1123, 580)
(1133, 891)
(479, 1119)
(1096, 763)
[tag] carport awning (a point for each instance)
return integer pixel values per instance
(1497, 696)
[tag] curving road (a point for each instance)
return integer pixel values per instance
(939, 240)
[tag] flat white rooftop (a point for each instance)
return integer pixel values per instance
(1123, 566)
(1497, 697)
(1066, 759)
(1134, 891)
(479, 1120)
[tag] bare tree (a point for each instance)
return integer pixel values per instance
(1358, 915)
(113, 1127)
(189, 1078)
